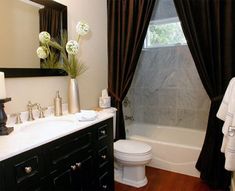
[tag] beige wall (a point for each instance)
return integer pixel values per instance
(19, 36)
(93, 52)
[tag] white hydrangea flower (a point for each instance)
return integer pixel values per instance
(82, 28)
(42, 52)
(44, 37)
(72, 47)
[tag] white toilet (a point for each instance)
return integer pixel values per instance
(130, 160)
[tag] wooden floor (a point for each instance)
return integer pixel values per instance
(161, 180)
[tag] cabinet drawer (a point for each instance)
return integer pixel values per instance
(105, 130)
(103, 156)
(62, 152)
(102, 132)
(26, 169)
(106, 182)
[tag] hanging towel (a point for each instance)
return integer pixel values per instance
(86, 115)
(226, 113)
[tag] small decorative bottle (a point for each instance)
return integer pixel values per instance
(58, 105)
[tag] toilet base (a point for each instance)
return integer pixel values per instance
(122, 177)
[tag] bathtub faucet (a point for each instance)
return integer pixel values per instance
(131, 118)
(126, 102)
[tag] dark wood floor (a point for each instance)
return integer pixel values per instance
(161, 180)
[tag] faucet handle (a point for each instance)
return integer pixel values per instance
(41, 110)
(18, 118)
(30, 107)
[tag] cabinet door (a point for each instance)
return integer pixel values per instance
(78, 176)
(22, 172)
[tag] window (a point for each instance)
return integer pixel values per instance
(165, 32)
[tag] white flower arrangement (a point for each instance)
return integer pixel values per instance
(70, 63)
(42, 52)
(44, 37)
(82, 28)
(72, 47)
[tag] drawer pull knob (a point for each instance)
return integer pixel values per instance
(78, 165)
(73, 167)
(103, 132)
(28, 169)
(103, 156)
(104, 186)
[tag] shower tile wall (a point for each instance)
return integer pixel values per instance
(166, 90)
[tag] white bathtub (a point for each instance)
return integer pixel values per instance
(174, 149)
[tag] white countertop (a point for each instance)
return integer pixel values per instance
(24, 137)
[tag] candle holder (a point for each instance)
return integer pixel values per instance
(3, 118)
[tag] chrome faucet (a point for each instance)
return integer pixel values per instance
(18, 118)
(30, 107)
(41, 110)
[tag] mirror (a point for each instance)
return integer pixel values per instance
(22, 20)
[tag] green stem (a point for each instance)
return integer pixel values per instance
(79, 36)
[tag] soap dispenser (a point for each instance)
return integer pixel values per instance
(57, 105)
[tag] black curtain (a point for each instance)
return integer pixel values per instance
(127, 26)
(209, 27)
(50, 21)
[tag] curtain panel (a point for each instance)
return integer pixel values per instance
(209, 27)
(50, 21)
(128, 21)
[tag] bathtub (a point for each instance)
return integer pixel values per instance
(174, 149)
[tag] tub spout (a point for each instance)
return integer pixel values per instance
(131, 118)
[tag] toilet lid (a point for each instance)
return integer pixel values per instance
(131, 147)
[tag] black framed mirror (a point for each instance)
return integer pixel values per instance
(19, 44)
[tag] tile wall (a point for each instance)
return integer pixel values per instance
(166, 90)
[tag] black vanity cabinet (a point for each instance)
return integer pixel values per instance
(82, 161)
(2, 183)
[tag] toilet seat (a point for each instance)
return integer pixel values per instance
(131, 147)
(132, 152)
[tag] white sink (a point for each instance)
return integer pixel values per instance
(48, 125)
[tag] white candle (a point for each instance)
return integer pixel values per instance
(2, 86)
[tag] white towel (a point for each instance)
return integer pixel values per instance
(86, 115)
(226, 113)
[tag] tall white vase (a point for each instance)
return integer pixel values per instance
(73, 96)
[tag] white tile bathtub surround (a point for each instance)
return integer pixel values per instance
(167, 90)
(24, 138)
